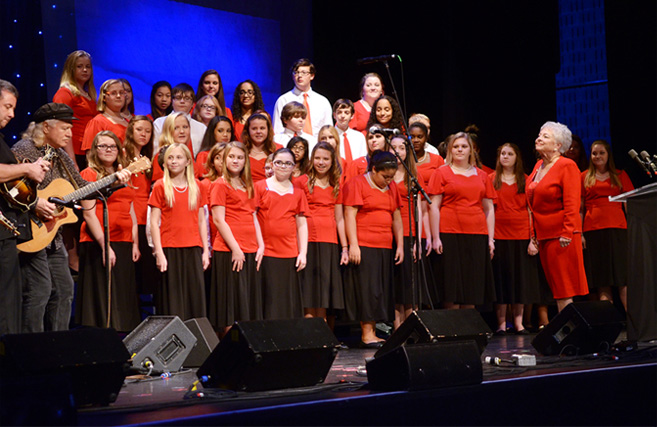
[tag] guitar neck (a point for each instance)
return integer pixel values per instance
(90, 188)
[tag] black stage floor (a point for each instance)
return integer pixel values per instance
(617, 388)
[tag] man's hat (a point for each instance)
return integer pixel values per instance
(55, 111)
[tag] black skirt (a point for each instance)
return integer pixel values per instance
(182, 292)
(92, 296)
(369, 296)
(403, 280)
(463, 272)
(322, 279)
(605, 257)
(281, 284)
(234, 295)
(516, 273)
(146, 272)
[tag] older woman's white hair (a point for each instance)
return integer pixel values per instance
(561, 133)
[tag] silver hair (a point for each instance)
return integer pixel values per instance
(561, 133)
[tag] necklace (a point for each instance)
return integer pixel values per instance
(181, 190)
(460, 169)
(423, 158)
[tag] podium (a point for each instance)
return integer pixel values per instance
(642, 261)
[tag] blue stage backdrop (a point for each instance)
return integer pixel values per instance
(149, 40)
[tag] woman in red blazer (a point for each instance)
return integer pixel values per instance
(554, 194)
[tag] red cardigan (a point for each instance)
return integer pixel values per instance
(555, 200)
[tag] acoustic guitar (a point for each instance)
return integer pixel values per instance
(43, 232)
(21, 193)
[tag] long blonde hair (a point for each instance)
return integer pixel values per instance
(194, 192)
(68, 75)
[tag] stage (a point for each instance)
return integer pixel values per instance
(617, 388)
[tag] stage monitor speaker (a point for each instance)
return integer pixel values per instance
(270, 355)
(160, 344)
(431, 326)
(425, 366)
(93, 359)
(580, 328)
(206, 341)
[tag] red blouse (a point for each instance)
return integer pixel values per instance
(118, 208)
(511, 213)
(239, 216)
(277, 218)
(375, 209)
(426, 169)
(100, 123)
(178, 226)
(461, 209)
(84, 109)
(600, 213)
(321, 212)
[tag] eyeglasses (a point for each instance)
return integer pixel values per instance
(246, 92)
(282, 164)
(104, 147)
(302, 73)
(209, 107)
(116, 94)
(183, 98)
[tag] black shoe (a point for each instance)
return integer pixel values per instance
(371, 345)
(500, 333)
(522, 332)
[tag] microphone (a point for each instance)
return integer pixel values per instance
(648, 160)
(375, 59)
(57, 201)
(636, 158)
(375, 129)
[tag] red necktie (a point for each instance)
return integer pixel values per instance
(307, 126)
(347, 149)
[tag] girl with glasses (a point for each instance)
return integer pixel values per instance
(111, 101)
(247, 99)
(281, 209)
(104, 157)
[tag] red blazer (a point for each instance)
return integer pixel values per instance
(555, 200)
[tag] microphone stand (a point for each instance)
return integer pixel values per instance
(414, 188)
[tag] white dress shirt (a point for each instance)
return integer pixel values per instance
(321, 112)
(196, 128)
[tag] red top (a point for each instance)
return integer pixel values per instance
(426, 169)
(258, 166)
(321, 212)
(178, 225)
(142, 193)
(360, 118)
(403, 208)
(356, 168)
(555, 200)
(84, 109)
(237, 129)
(375, 209)
(118, 208)
(158, 173)
(511, 213)
(199, 163)
(239, 216)
(277, 218)
(100, 123)
(600, 212)
(461, 209)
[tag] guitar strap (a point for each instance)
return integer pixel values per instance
(68, 172)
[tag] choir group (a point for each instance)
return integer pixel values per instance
(311, 211)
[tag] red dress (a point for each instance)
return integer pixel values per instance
(356, 168)
(426, 169)
(100, 123)
(555, 203)
(84, 109)
(600, 213)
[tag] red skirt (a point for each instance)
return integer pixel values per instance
(564, 267)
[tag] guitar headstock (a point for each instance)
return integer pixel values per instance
(139, 164)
